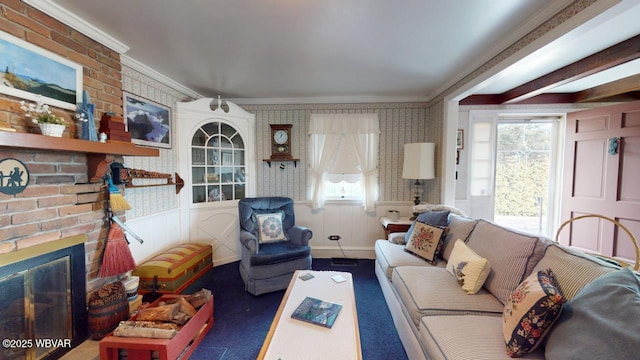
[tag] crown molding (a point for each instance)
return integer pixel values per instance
(63, 15)
(145, 70)
(330, 100)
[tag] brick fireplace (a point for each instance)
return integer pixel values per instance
(58, 207)
(59, 202)
(44, 296)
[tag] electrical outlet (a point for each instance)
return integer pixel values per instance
(334, 237)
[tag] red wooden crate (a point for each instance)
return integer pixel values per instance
(180, 347)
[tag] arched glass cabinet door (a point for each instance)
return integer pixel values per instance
(217, 163)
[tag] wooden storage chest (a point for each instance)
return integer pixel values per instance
(175, 269)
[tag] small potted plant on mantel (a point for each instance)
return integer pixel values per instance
(49, 123)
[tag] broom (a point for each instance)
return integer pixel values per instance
(117, 258)
(118, 202)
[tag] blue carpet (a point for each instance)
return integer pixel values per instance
(241, 320)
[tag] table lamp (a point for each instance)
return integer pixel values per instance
(419, 165)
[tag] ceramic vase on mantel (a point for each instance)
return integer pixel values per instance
(54, 130)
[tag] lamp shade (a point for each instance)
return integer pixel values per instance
(419, 161)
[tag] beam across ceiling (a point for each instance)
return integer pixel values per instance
(535, 91)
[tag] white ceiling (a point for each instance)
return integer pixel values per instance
(329, 49)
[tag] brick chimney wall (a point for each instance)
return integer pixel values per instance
(59, 200)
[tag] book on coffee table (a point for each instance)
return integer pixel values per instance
(316, 311)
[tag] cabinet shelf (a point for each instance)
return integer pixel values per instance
(37, 141)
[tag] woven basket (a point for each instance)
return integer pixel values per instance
(54, 130)
(622, 263)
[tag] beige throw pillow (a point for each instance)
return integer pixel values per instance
(470, 269)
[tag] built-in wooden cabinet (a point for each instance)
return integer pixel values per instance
(217, 159)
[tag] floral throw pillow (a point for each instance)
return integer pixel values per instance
(426, 241)
(270, 228)
(530, 311)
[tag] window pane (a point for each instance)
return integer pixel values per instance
(211, 128)
(197, 156)
(213, 156)
(199, 138)
(199, 194)
(197, 175)
(227, 130)
(343, 190)
(237, 141)
(225, 143)
(227, 158)
(238, 157)
(214, 141)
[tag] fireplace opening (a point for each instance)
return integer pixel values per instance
(43, 300)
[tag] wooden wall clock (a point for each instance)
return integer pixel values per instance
(281, 144)
(281, 141)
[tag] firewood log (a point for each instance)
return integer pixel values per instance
(151, 324)
(160, 313)
(186, 308)
(124, 330)
(185, 313)
(199, 298)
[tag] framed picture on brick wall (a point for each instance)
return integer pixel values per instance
(148, 122)
(28, 71)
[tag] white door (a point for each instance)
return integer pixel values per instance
(216, 155)
(503, 190)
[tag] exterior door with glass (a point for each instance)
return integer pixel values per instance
(217, 155)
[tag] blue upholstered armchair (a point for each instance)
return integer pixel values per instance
(273, 247)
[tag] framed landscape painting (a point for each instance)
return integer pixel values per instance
(27, 71)
(148, 123)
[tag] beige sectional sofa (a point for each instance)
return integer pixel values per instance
(436, 319)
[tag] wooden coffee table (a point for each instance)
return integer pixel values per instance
(294, 339)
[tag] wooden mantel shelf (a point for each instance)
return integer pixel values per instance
(37, 141)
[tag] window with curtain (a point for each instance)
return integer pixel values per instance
(343, 158)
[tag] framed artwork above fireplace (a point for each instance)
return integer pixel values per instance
(28, 71)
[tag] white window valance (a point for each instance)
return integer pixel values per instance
(344, 124)
(327, 132)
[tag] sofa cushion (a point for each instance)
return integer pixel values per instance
(429, 290)
(270, 227)
(279, 252)
(572, 269)
(530, 312)
(512, 255)
(465, 337)
(436, 218)
(460, 227)
(600, 322)
(426, 241)
(390, 256)
(469, 269)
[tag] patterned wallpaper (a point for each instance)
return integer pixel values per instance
(400, 123)
(151, 200)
